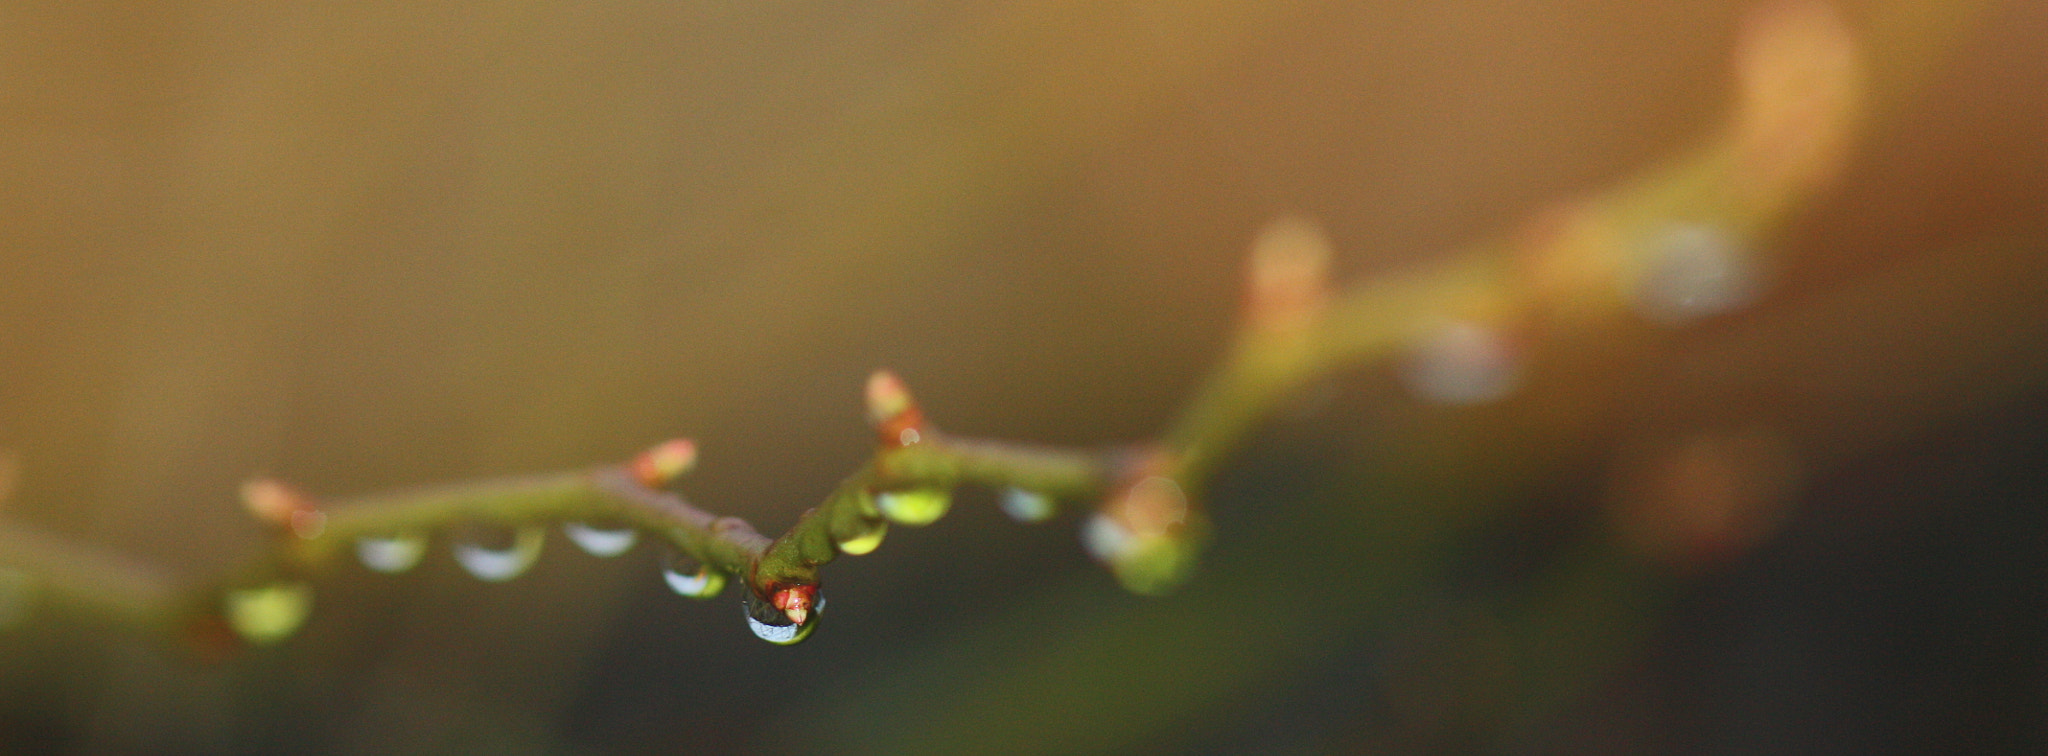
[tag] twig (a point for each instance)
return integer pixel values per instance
(1674, 246)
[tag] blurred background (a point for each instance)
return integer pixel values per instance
(370, 245)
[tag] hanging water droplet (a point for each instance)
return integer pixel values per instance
(601, 541)
(866, 542)
(485, 553)
(271, 613)
(1461, 363)
(391, 554)
(1025, 505)
(1104, 538)
(914, 507)
(688, 577)
(770, 624)
(1693, 271)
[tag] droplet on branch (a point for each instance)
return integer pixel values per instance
(1692, 271)
(914, 507)
(391, 554)
(787, 617)
(601, 541)
(864, 543)
(1148, 535)
(1025, 505)
(487, 556)
(688, 577)
(267, 614)
(1461, 363)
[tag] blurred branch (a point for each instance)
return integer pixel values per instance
(1677, 245)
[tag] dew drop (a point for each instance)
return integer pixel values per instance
(688, 577)
(1692, 271)
(271, 613)
(770, 624)
(1104, 538)
(1027, 506)
(1461, 363)
(491, 562)
(866, 542)
(914, 507)
(391, 554)
(601, 541)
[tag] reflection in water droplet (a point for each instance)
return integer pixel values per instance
(270, 613)
(688, 577)
(490, 560)
(915, 507)
(391, 554)
(16, 590)
(1692, 271)
(769, 623)
(1027, 506)
(1461, 363)
(601, 542)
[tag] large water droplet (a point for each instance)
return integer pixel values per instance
(1461, 363)
(770, 624)
(1104, 538)
(688, 577)
(271, 613)
(1027, 506)
(1693, 271)
(601, 541)
(914, 507)
(391, 554)
(866, 542)
(489, 557)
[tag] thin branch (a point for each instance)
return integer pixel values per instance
(1673, 246)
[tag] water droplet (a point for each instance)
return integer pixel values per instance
(492, 559)
(601, 541)
(688, 577)
(16, 590)
(271, 613)
(865, 542)
(770, 624)
(391, 554)
(1693, 271)
(1027, 506)
(914, 507)
(1461, 363)
(1104, 538)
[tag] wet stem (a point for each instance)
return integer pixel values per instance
(1577, 274)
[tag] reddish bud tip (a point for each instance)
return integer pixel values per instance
(1288, 273)
(281, 506)
(892, 411)
(887, 397)
(1800, 80)
(795, 602)
(663, 464)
